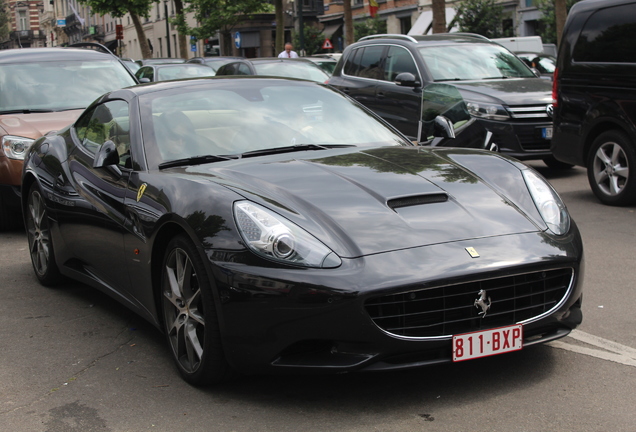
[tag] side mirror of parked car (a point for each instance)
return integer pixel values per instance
(407, 79)
(107, 157)
(536, 72)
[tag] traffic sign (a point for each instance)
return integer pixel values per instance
(237, 40)
(327, 44)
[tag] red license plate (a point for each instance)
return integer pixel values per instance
(487, 342)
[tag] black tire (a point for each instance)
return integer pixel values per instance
(189, 316)
(553, 163)
(41, 248)
(611, 169)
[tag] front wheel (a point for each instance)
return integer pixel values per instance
(40, 240)
(189, 315)
(611, 169)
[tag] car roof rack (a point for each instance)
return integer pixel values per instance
(389, 36)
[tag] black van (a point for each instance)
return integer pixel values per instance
(594, 91)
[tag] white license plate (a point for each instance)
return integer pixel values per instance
(546, 133)
(487, 342)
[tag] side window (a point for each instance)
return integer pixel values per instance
(243, 69)
(371, 63)
(399, 60)
(608, 36)
(107, 121)
(353, 62)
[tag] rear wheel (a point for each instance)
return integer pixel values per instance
(189, 315)
(611, 169)
(39, 239)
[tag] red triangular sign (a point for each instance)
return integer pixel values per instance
(327, 44)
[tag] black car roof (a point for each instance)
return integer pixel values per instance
(28, 55)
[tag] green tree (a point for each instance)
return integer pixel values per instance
(4, 21)
(313, 38)
(221, 16)
(483, 17)
(119, 8)
(368, 27)
(548, 21)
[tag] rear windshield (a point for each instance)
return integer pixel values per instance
(472, 62)
(59, 85)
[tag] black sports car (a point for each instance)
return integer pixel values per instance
(269, 224)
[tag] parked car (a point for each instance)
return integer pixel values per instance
(213, 62)
(270, 224)
(544, 63)
(273, 66)
(159, 60)
(170, 71)
(328, 64)
(387, 72)
(44, 89)
(594, 92)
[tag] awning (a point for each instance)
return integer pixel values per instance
(330, 29)
(424, 23)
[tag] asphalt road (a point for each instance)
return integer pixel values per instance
(72, 360)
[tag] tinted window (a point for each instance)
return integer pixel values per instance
(353, 62)
(371, 63)
(243, 69)
(108, 121)
(398, 60)
(609, 35)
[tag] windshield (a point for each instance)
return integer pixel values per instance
(472, 62)
(292, 69)
(183, 71)
(59, 85)
(233, 117)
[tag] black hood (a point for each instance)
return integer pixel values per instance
(361, 202)
(510, 91)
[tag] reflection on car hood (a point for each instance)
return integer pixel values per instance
(341, 198)
(510, 91)
(37, 124)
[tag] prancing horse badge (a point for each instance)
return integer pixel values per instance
(141, 191)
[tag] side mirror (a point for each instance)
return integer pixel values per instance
(536, 72)
(107, 156)
(407, 79)
(144, 80)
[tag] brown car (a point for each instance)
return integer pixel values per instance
(44, 89)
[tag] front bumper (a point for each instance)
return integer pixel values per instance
(316, 320)
(521, 140)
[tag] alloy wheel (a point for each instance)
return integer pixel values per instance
(610, 168)
(38, 233)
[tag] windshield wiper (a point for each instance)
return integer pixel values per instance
(26, 111)
(294, 148)
(195, 160)
(448, 79)
(497, 77)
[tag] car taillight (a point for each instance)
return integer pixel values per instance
(555, 87)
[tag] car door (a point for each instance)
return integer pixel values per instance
(399, 105)
(94, 233)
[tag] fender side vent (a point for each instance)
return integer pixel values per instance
(417, 200)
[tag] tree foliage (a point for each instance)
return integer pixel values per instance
(547, 28)
(368, 27)
(312, 37)
(119, 8)
(484, 17)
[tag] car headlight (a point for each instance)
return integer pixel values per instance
(487, 111)
(15, 147)
(270, 235)
(548, 202)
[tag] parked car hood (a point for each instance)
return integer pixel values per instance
(351, 200)
(36, 125)
(510, 91)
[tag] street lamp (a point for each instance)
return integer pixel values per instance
(165, 9)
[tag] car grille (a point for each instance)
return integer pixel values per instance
(448, 310)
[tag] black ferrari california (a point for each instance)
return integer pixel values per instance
(276, 225)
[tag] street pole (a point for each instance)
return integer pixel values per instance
(165, 7)
(301, 31)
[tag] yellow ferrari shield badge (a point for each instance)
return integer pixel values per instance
(141, 191)
(473, 253)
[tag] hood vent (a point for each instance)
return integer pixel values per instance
(417, 200)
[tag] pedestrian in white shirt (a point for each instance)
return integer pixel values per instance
(288, 53)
